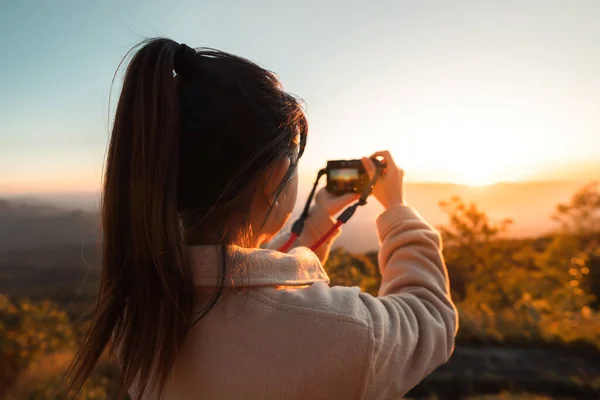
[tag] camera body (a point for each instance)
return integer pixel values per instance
(349, 176)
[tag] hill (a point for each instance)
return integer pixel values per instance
(26, 221)
(530, 204)
(27, 225)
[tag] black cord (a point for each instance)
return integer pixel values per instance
(312, 193)
(298, 226)
(363, 199)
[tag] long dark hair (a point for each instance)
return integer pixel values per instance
(193, 131)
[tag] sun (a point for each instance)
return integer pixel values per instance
(462, 171)
(476, 172)
(477, 177)
(478, 168)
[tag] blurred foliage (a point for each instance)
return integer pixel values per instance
(512, 396)
(540, 291)
(526, 293)
(473, 249)
(579, 238)
(348, 269)
(28, 332)
(505, 396)
(581, 215)
(37, 342)
(53, 387)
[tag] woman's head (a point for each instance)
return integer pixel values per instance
(241, 137)
(203, 151)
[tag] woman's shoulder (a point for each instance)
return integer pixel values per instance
(340, 303)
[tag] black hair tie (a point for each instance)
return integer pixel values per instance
(186, 62)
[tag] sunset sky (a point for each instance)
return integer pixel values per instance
(470, 92)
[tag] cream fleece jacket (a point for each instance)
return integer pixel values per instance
(281, 332)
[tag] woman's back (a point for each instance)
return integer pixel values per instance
(283, 333)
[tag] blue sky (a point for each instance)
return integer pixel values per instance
(463, 91)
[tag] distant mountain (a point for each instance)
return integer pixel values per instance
(86, 201)
(26, 225)
(47, 220)
(529, 204)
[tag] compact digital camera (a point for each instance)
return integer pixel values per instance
(349, 176)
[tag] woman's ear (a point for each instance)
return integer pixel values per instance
(274, 177)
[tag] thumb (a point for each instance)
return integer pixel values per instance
(348, 198)
(369, 166)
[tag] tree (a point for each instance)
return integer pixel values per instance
(29, 331)
(579, 235)
(515, 289)
(581, 215)
(472, 247)
(346, 269)
(36, 345)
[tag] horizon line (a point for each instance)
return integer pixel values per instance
(409, 182)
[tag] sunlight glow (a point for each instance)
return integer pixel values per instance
(461, 127)
(477, 178)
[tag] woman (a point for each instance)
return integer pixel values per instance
(195, 300)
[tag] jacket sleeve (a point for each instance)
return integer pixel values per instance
(413, 321)
(315, 226)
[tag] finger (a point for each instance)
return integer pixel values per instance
(369, 166)
(387, 157)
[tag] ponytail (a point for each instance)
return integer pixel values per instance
(145, 300)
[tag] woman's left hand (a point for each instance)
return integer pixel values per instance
(334, 204)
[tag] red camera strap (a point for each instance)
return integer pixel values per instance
(288, 244)
(326, 236)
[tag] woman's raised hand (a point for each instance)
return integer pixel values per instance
(389, 189)
(333, 203)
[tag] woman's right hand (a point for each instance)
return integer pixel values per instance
(389, 189)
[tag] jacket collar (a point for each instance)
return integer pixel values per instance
(256, 267)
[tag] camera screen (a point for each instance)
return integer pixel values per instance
(344, 174)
